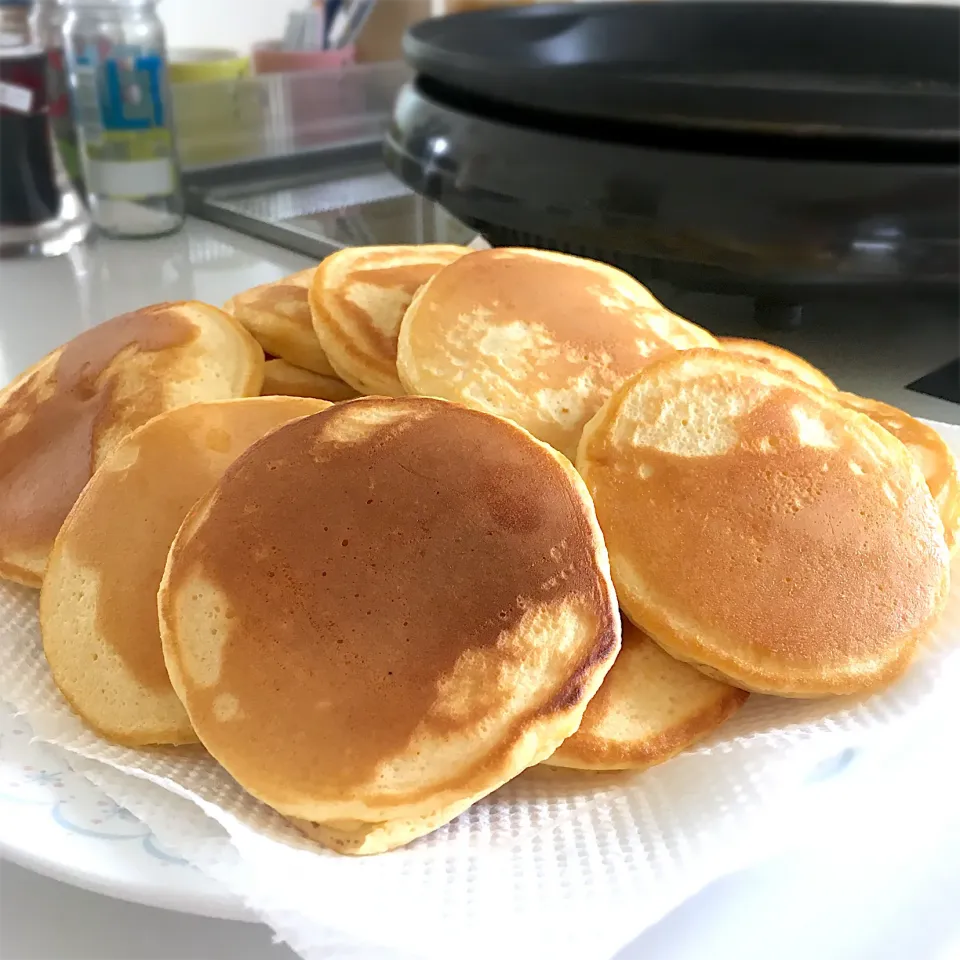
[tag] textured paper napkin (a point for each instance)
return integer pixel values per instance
(555, 864)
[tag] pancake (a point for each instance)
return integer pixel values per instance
(648, 709)
(278, 316)
(98, 606)
(540, 338)
(933, 456)
(61, 418)
(376, 616)
(285, 380)
(358, 839)
(358, 299)
(782, 360)
(761, 530)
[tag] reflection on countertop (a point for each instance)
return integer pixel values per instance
(43, 303)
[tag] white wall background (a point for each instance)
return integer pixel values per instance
(232, 23)
(224, 23)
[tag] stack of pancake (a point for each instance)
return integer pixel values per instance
(330, 332)
(495, 509)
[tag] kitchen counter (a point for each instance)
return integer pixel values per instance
(875, 874)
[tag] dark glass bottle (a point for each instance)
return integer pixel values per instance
(40, 213)
(28, 183)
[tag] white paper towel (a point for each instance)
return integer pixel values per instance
(555, 864)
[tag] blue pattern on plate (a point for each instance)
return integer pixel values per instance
(32, 773)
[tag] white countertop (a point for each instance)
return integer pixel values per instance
(872, 874)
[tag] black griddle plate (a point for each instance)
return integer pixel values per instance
(811, 68)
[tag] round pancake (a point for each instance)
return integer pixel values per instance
(761, 530)
(98, 605)
(929, 449)
(540, 338)
(278, 316)
(648, 708)
(358, 299)
(779, 359)
(285, 380)
(376, 615)
(63, 416)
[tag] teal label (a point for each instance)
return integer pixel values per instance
(120, 104)
(131, 93)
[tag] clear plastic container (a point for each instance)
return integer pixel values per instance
(279, 114)
(116, 56)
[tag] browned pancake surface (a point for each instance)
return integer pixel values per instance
(404, 608)
(760, 529)
(61, 417)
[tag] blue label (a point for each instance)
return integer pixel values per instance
(131, 93)
(129, 86)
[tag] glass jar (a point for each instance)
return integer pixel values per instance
(116, 58)
(49, 16)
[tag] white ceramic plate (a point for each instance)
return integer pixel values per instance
(55, 822)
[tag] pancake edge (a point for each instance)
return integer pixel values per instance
(366, 374)
(587, 751)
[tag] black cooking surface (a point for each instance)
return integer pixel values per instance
(888, 70)
(784, 229)
(943, 383)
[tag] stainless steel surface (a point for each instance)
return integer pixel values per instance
(317, 203)
(304, 200)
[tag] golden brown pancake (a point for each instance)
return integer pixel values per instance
(277, 314)
(98, 606)
(761, 530)
(63, 416)
(376, 615)
(358, 299)
(780, 359)
(284, 379)
(540, 338)
(929, 449)
(648, 708)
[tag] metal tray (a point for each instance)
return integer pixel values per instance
(320, 201)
